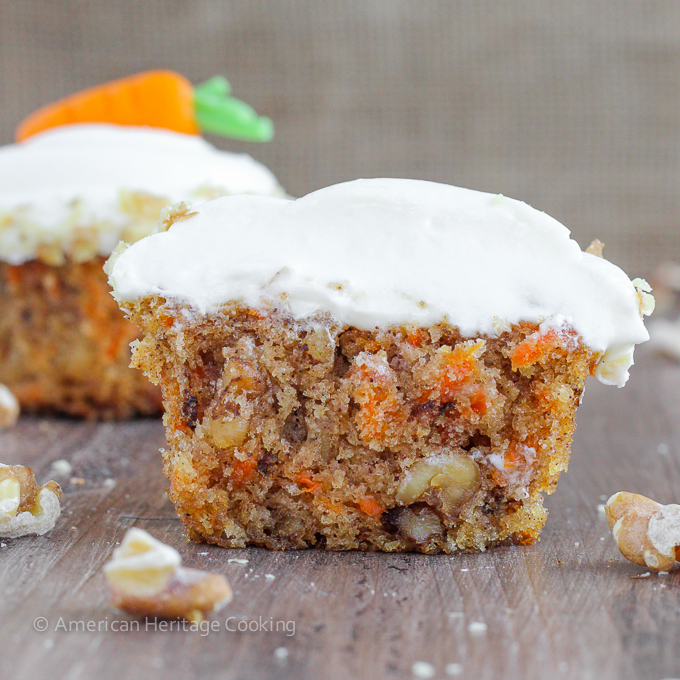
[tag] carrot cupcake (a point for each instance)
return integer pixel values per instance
(384, 364)
(86, 173)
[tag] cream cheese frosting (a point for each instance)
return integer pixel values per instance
(387, 252)
(79, 177)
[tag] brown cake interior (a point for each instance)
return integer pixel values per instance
(64, 345)
(290, 434)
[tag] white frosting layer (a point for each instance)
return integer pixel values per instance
(91, 163)
(391, 251)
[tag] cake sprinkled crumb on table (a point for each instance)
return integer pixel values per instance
(146, 578)
(9, 408)
(423, 669)
(477, 628)
(281, 655)
(26, 508)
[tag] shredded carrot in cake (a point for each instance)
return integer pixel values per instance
(479, 403)
(13, 275)
(450, 370)
(370, 506)
(538, 347)
(544, 397)
(417, 337)
(512, 459)
(334, 507)
(242, 470)
(380, 406)
(309, 484)
(245, 379)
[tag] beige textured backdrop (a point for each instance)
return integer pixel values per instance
(571, 105)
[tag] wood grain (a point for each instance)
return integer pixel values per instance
(565, 608)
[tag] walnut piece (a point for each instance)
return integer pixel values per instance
(178, 212)
(146, 578)
(646, 532)
(320, 344)
(9, 408)
(26, 508)
(596, 248)
(645, 298)
(226, 432)
(453, 475)
(418, 524)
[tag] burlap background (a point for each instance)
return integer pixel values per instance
(571, 105)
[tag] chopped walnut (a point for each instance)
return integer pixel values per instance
(9, 408)
(226, 432)
(26, 508)
(595, 248)
(646, 532)
(320, 343)
(146, 578)
(417, 523)
(454, 477)
(645, 297)
(178, 212)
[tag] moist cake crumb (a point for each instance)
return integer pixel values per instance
(290, 434)
(64, 345)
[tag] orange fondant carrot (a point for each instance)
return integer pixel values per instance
(161, 99)
(157, 98)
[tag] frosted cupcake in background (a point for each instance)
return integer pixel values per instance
(85, 173)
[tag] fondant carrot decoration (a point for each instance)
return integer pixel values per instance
(161, 99)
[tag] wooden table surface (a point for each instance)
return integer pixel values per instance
(567, 607)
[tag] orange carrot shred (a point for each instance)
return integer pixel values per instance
(305, 479)
(334, 507)
(416, 337)
(13, 274)
(242, 470)
(534, 348)
(379, 406)
(479, 404)
(460, 366)
(370, 506)
(454, 368)
(512, 458)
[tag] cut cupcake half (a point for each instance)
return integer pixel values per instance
(381, 365)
